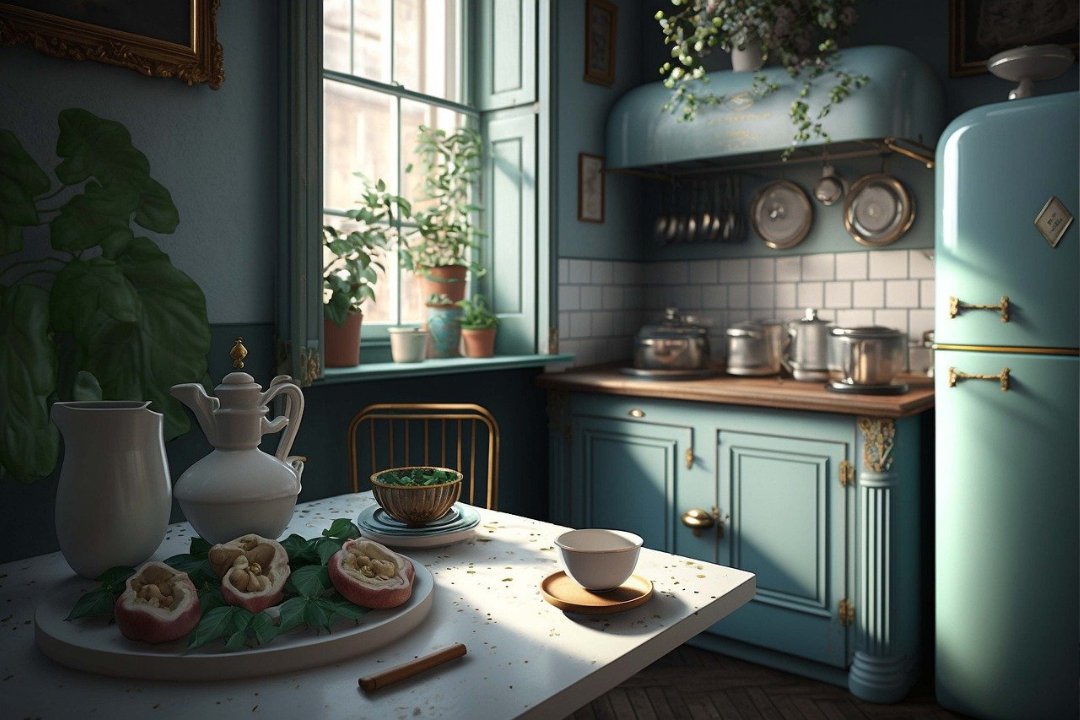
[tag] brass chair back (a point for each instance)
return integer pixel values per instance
(462, 436)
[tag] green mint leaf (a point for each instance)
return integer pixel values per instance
(310, 581)
(326, 547)
(199, 547)
(115, 577)
(291, 614)
(342, 528)
(236, 641)
(210, 598)
(343, 608)
(214, 625)
(263, 628)
(95, 603)
(317, 615)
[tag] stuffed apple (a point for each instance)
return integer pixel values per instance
(159, 604)
(371, 575)
(253, 571)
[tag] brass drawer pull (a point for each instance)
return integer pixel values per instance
(697, 520)
(1002, 307)
(689, 457)
(636, 413)
(1002, 377)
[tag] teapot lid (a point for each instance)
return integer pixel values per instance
(238, 390)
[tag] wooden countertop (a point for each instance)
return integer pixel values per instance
(771, 392)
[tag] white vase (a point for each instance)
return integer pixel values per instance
(113, 496)
(749, 59)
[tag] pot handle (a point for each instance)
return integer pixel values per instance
(785, 350)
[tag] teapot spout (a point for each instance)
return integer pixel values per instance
(202, 406)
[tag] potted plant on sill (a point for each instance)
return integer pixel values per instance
(443, 326)
(802, 34)
(351, 270)
(442, 250)
(88, 310)
(478, 327)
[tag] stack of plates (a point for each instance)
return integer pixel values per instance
(457, 524)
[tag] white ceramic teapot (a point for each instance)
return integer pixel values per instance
(238, 489)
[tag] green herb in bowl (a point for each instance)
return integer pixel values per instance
(418, 476)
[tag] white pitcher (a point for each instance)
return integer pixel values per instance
(114, 495)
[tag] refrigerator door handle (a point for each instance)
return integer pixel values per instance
(1002, 307)
(1002, 377)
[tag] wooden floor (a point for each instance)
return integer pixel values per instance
(690, 683)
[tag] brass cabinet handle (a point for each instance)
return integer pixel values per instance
(636, 413)
(1002, 307)
(689, 458)
(697, 520)
(1002, 377)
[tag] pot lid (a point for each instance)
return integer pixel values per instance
(746, 329)
(866, 332)
(810, 317)
(673, 325)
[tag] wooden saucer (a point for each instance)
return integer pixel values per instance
(565, 594)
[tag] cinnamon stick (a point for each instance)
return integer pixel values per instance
(412, 667)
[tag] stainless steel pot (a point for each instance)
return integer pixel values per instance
(673, 344)
(870, 355)
(808, 353)
(755, 348)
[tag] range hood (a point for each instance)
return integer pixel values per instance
(901, 109)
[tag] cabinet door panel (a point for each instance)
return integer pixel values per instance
(787, 526)
(628, 472)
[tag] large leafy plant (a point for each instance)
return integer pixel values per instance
(354, 254)
(802, 34)
(446, 231)
(87, 309)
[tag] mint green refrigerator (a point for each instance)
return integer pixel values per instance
(1007, 329)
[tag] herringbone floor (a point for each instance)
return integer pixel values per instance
(688, 684)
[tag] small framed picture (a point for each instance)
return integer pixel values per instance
(600, 18)
(590, 172)
(979, 29)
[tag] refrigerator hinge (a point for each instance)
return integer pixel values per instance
(846, 612)
(847, 473)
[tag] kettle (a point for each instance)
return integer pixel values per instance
(238, 489)
(808, 352)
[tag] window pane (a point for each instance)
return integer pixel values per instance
(371, 39)
(413, 115)
(336, 29)
(359, 136)
(426, 47)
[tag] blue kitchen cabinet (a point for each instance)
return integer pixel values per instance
(822, 507)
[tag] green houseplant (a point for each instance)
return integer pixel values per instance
(87, 309)
(802, 34)
(443, 248)
(353, 259)
(478, 327)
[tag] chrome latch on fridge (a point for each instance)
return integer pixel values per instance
(1053, 220)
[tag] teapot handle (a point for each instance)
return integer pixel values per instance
(294, 409)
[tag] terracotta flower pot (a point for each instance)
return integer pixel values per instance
(343, 341)
(447, 279)
(478, 342)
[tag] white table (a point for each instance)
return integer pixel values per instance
(525, 657)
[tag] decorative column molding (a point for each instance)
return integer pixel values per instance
(883, 667)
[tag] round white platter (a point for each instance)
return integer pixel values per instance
(96, 645)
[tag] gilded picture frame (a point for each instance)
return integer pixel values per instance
(165, 38)
(600, 19)
(979, 29)
(590, 188)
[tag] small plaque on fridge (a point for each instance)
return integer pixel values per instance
(1053, 220)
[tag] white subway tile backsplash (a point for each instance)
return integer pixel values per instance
(612, 297)
(564, 325)
(785, 295)
(674, 273)
(897, 319)
(686, 297)
(762, 296)
(734, 271)
(738, 296)
(901, 293)
(788, 269)
(591, 297)
(837, 294)
(633, 298)
(868, 294)
(563, 268)
(714, 297)
(888, 264)
(926, 294)
(580, 324)
(703, 272)
(602, 324)
(854, 318)
(810, 294)
(919, 321)
(851, 266)
(580, 272)
(818, 267)
(603, 272)
(569, 297)
(920, 264)
(762, 270)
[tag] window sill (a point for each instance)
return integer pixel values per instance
(448, 366)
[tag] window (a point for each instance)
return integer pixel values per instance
(359, 77)
(389, 66)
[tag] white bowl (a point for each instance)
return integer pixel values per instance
(597, 559)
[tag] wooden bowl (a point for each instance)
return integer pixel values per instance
(416, 505)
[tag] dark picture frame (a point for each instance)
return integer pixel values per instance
(590, 172)
(979, 29)
(164, 38)
(600, 19)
